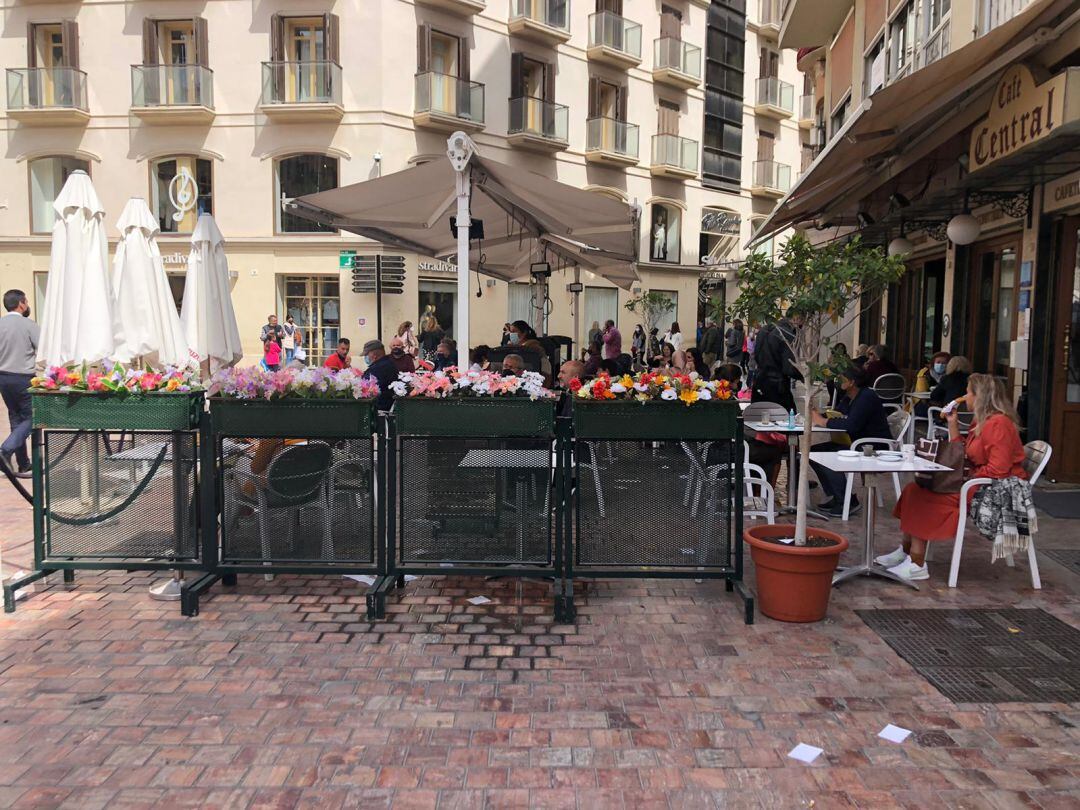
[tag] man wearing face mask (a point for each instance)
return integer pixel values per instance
(19, 337)
(381, 368)
(446, 354)
(402, 359)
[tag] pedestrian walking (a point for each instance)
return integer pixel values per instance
(19, 337)
(271, 330)
(291, 339)
(710, 343)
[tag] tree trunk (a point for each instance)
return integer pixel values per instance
(804, 462)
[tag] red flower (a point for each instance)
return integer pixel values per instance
(575, 385)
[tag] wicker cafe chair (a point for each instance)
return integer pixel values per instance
(1036, 457)
(296, 479)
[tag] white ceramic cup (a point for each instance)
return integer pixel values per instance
(908, 452)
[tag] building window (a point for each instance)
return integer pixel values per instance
(664, 230)
(47, 177)
(436, 308)
(765, 247)
(902, 40)
(162, 174)
(671, 315)
(314, 303)
(874, 69)
(936, 12)
(519, 302)
(840, 116)
(719, 235)
(725, 47)
(601, 306)
(297, 176)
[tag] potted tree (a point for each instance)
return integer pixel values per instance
(649, 307)
(821, 288)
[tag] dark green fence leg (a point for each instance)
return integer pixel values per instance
(69, 575)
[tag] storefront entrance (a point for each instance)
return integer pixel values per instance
(438, 300)
(914, 318)
(1065, 390)
(991, 304)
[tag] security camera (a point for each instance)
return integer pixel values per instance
(377, 157)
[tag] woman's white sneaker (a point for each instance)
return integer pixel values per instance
(892, 558)
(910, 571)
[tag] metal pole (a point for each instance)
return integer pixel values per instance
(378, 296)
(577, 314)
(460, 150)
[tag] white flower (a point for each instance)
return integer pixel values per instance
(668, 394)
(618, 388)
(704, 394)
(639, 387)
(399, 388)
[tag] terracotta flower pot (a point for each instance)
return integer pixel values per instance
(793, 582)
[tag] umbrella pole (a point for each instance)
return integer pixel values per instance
(577, 313)
(460, 149)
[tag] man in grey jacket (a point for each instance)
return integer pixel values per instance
(18, 351)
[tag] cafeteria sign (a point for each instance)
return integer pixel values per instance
(1021, 113)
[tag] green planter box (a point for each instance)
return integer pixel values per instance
(295, 418)
(479, 417)
(702, 421)
(85, 411)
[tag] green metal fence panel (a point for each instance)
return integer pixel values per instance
(476, 418)
(309, 418)
(88, 411)
(656, 421)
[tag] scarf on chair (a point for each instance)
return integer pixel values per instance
(1005, 513)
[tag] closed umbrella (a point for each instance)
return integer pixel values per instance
(78, 324)
(207, 311)
(144, 305)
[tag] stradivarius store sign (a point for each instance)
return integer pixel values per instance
(1023, 113)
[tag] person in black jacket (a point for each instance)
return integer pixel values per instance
(775, 363)
(951, 387)
(382, 368)
(863, 417)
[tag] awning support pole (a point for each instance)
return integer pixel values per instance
(460, 150)
(576, 351)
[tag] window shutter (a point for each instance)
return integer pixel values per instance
(463, 58)
(31, 45)
(549, 82)
(670, 26)
(620, 102)
(332, 28)
(70, 33)
(668, 119)
(517, 75)
(202, 41)
(277, 38)
(594, 97)
(150, 55)
(423, 48)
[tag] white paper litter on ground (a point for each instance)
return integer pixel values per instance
(410, 577)
(805, 753)
(478, 600)
(894, 733)
(366, 579)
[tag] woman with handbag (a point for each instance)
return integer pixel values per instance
(992, 449)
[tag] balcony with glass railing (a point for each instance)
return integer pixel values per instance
(614, 40)
(175, 94)
(465, 8)
(768, 18)
(545, 21)
(676, 62)
(448, 103)
(608, 140)
(806, 111)
(673, 156)
(45, 96)
(538, 124)
(770, 179)
(774, 98)
(302, 91)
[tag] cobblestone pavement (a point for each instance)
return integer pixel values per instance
(282, 695)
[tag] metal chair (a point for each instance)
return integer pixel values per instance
(1036, 457)
(889, 387)
(297, 478)
(759, 499)
(899, 421)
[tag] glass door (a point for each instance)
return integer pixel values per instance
(178, 51)
(314, 303)
(992, 319)
(1065, 375)
(307, 46)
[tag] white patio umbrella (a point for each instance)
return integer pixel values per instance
(148, 318)
(207, 311)
(78, 324)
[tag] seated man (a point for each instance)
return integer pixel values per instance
(862, 417)
(568, 372)
(402, 359)
(381, 367)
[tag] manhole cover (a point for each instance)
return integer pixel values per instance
(986, 656)
(1068, 557)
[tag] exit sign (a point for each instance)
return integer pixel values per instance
(345, 259)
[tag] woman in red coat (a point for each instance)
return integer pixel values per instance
(992, 449)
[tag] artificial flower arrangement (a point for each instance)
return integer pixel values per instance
(648, 386)
(450, 383)
(255, 382)
(118, 382)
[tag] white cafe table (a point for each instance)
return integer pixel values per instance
(870, 468)
(793, 434)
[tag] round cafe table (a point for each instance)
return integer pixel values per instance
(870, 467)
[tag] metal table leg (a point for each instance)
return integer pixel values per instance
(868, 567)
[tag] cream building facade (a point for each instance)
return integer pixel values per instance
(259, 103)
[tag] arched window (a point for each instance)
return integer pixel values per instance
(299, 175)
(162, 173)
(47, 177)
(665, 227)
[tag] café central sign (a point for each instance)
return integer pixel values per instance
(1021, 113)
